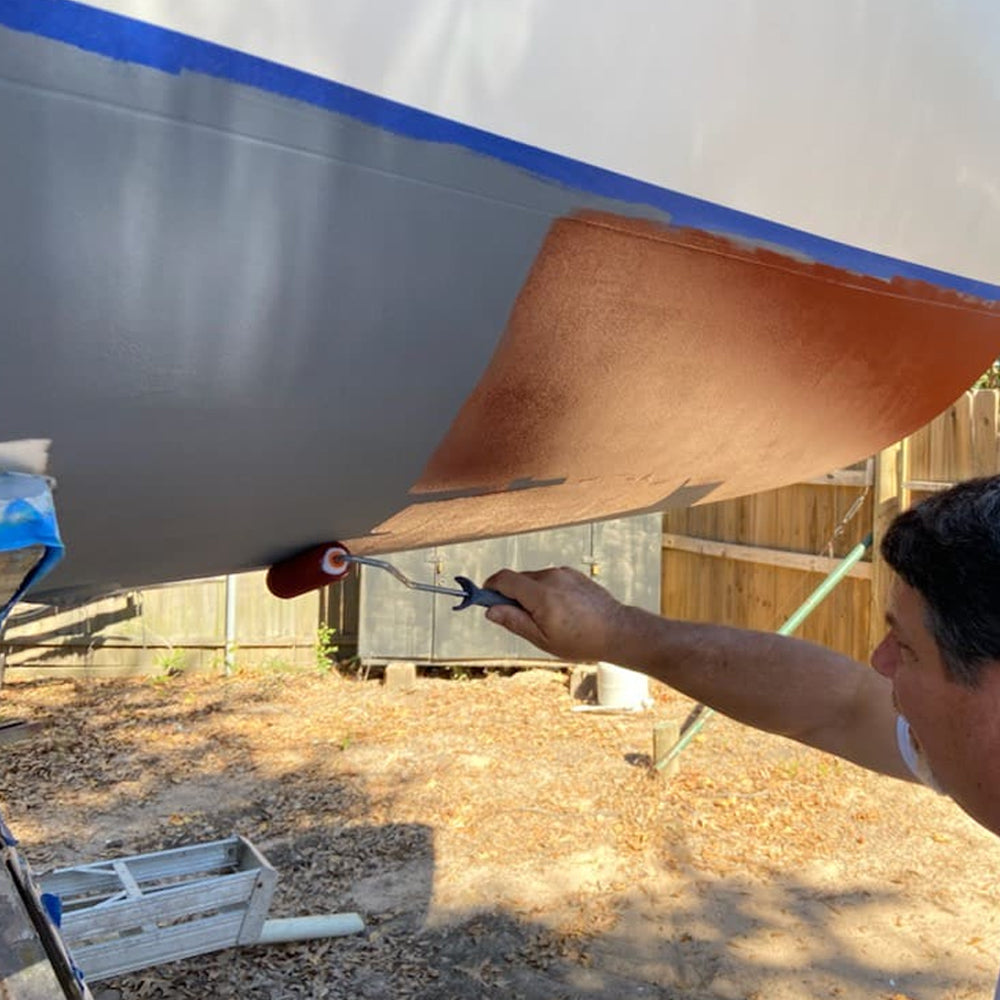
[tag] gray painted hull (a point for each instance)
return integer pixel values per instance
(243, 322)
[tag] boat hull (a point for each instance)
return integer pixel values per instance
(250, 320)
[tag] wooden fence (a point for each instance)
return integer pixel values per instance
(747, 562)
(753, 561)
(195, 625)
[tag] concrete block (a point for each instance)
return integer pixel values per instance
(400, 677)
(583, 683)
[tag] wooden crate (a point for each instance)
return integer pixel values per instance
(133, 912)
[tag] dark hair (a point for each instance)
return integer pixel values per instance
(947, 548)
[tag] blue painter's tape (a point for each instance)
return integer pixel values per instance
(53, 907)
(27, 521)
(129, 40)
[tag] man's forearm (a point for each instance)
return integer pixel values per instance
(769, 681)
(783, 685)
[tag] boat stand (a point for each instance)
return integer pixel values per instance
(34, 961)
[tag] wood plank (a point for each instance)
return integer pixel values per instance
(790, 588)
(845, 477)
(927, 485)
(703, 588)
(919, 445)
(942, 463)
(762, 581)
(726, 598)
(762, 556)
(903, 462)
(984, 432)
(885, 501)
(825, 508)
(665, 736)
(961, 436)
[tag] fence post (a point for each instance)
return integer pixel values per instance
(231, 631)
(889, 479)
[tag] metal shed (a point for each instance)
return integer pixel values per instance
(394, 623)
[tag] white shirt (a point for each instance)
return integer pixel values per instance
(913, 754)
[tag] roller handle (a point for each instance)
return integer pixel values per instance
(482, 596)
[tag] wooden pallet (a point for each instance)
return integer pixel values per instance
(133, 912)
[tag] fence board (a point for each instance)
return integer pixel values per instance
(984, 432)
(182, 626)
(737, 553)
(919, 445)
(962, 430)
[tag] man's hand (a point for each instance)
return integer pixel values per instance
(562, 612)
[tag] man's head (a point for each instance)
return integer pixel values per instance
(947, 548)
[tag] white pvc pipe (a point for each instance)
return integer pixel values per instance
(309, 928)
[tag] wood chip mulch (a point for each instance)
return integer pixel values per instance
(496, 842)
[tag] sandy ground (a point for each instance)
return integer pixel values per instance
(500, 844)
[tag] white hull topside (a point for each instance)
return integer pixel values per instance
(875, 125)
(403, 274)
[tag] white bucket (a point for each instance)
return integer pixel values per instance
(618, 687)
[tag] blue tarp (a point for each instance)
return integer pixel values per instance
(29, 534)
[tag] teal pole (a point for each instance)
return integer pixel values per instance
(793, 622)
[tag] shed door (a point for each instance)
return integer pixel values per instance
(396, 623)
(461, 635)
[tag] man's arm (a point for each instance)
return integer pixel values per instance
(772, 682)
